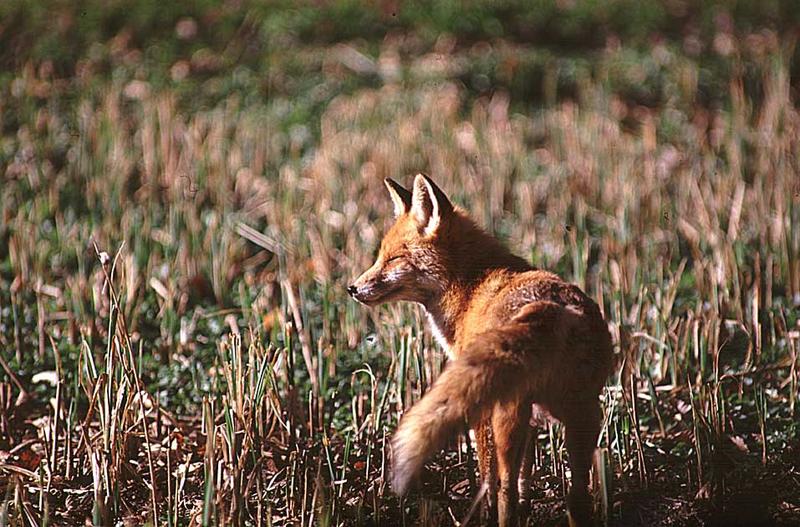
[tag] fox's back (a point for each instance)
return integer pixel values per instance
(521, 289)
(502, 294)
(581, 341)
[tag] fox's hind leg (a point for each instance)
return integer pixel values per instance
(487, 466)
(582, 425)
(509, 429)
(526, 466)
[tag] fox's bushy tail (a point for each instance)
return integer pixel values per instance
(489, 371)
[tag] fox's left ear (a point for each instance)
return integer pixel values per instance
(400, 197)
(429, 204)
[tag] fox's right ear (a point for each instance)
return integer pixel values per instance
(429, 204)
(400, 197)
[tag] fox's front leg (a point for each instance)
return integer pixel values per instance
(487, 466)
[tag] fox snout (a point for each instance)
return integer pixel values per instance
(357, 294)
(368, 289)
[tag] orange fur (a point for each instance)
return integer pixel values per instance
(518, 337)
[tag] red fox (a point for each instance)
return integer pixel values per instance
(520, 340)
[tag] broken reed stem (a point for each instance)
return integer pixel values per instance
(56, 412)
(129, 368)
(302, 334)
(636, 434)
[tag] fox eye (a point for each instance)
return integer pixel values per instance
(393, 258)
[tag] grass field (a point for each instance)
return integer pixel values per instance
(186, 190)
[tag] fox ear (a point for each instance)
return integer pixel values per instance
(429, 204)
(400, 197)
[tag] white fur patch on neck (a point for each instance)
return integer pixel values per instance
(439, 336)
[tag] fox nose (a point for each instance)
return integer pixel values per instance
(352, 290)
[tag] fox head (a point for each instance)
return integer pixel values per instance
(415, 252)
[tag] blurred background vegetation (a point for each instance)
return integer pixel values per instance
(188, 186)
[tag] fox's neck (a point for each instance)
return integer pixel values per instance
(474, 261)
